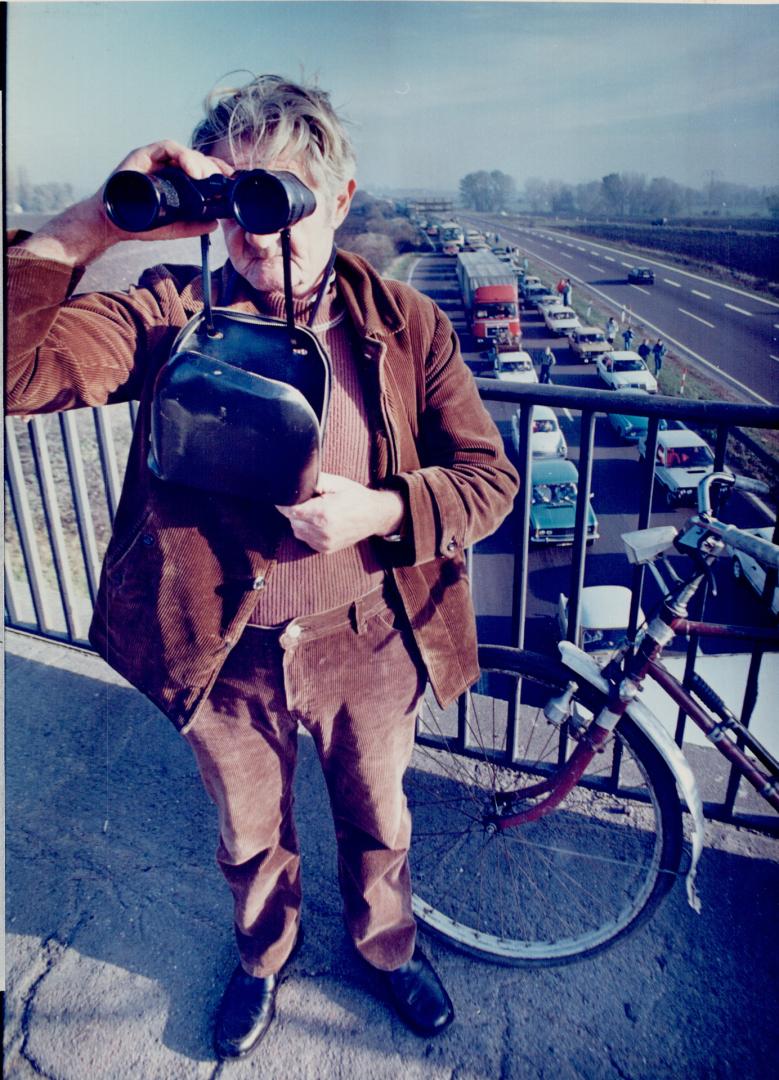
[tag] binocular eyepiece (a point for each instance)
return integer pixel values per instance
(261, 201)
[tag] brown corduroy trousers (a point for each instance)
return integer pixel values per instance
(351, 677)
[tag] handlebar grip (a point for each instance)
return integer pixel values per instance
(757, 487)
(763, 550)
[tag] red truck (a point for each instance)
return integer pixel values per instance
(489, 290)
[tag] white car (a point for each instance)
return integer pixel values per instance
(561, 319)
(515, 365)
(530, 281)
(588, 342)
(682, 459)
(605, 610)
(745, 568)
(546, 438)
(623, 369)
(547, 300)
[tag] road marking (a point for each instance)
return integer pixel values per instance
(704, 295)
(774, 357)
(639, 289)
(565, 255)
(675, 284)
(627, 264)
(668, 337)
(740, 310)
(608, 258)
(580, 248)
(594, 267)
(686, 273)
(697, 318)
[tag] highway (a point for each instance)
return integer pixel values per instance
(616, 491)
(730, 332)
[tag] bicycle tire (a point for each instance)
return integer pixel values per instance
(590, 872)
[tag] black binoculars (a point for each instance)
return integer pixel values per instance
(261, 201)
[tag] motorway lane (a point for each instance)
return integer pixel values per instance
(734, 334)
(616, 487)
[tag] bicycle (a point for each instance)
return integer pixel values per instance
(546, 803)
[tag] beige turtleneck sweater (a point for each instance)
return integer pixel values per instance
(303, 581)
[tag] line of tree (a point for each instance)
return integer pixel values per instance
(633, 195)
(620, 195)
(488, 191)
(37, 198)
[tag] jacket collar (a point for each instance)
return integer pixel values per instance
(370, 304)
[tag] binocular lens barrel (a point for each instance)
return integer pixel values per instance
(261, 201)
(265, 202)
(136, 201)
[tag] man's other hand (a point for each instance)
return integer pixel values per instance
(342, 513)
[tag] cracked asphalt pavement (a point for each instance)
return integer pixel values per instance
(119, 938)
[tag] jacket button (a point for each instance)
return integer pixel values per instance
(258, 583)
(452, 545)
(147, 540)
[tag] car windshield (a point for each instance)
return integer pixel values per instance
(560, 314)
(627, 365)
(554, 494)
(496, 311)
(543, 425)
(516, 365)
(590, 338)
(685, 457)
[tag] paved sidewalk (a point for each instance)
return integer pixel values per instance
(119, 933)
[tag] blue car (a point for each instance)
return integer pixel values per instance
(555, 484)
(633, 428)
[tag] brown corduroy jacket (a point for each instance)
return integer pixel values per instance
(180, 573)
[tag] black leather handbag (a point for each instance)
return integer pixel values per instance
(240, 408)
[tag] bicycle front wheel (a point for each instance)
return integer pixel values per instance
(563, 886)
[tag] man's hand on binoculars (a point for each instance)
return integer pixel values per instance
(158, 155)
(343, 513)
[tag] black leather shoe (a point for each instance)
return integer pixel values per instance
(246, 1010)
(419, 996)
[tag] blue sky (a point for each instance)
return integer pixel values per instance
(433, 90)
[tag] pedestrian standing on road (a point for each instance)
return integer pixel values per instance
(659, 349)
(560, 288)
(548, 361)
(645, 350)
(567, 292)
(611, 330)
(239, 619)
(627, 337)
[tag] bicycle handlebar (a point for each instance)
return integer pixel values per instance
(740, 483)
(763, 550)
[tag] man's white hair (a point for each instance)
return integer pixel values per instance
(272, 118)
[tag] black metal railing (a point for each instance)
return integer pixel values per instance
(63, 477)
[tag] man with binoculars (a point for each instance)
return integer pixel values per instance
(241, 619)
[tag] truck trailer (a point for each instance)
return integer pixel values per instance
(489, 291)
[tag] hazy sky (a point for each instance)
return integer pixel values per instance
(434, 90)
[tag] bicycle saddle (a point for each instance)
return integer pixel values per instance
(240, 408)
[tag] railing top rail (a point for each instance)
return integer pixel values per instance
(609, 401)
